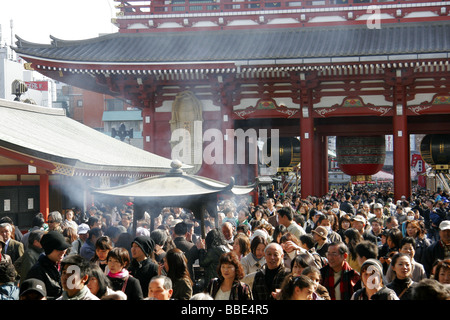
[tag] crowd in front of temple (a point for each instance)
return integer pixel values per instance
(354, 244)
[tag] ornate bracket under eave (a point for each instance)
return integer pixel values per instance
(266, 108)
(353, 106)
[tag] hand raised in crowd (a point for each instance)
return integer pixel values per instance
(201, 244)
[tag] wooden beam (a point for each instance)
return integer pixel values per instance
(18, 169)
(26, 159)
(18, 183)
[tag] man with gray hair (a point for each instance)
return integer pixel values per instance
(160, 288)
(268, 280)
(12, 247)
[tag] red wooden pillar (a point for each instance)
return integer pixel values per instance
(307, 81)
(148, 129)
(44, 202)
(402, 173)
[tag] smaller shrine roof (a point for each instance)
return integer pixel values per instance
(174, 184)
(48, 134)
(251, 44)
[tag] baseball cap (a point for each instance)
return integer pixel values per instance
(378, 206)
(33, 284)
(83, 228)
(53, 240)
(444, 225)
(359, 218)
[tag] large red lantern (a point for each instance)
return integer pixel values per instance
(360, 157)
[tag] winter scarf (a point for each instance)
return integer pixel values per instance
(349, 278)
(119, 275)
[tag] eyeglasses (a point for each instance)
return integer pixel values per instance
(50, 221)
(333, 254)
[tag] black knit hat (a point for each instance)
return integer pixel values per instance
(145, 243)
(53, 240)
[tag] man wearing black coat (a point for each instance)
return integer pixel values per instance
(189, 249)
(143, 266)
(438, 248)
(346, 205)
(46, 268)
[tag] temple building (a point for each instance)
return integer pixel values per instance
(231, 73)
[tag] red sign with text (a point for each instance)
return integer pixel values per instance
(37, 85)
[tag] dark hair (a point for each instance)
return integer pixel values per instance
(38, 220)
(286, 212)
(92, 220)
(180, 228)
(76, 260)
(121, 254)
(342, 247)
(35, 235)
(256, 241)
(7, 272)
(308, 240)
(377, 220)
(321, 218)
(177, 262)
(214, 238)
(396, 236)
(398, 256)
(231, 258)
(344, 217)
(299, 219)
(103, 281)
(95, 232)
(113, 232)
(406, 240)
(108, 219)
(303, 259)
(354, 238)
(290, 283)
(277, 231)
(441, 264)
(104, 243)
(430, 289)
(367, 249)
(244, 228)
(311, 269)
(159, 236)
(390, 219)
(125, 239)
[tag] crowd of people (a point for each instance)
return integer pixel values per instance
(351, 244)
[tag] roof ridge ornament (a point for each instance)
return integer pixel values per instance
(176, 167)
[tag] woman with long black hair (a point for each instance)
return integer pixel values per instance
(175, 267)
